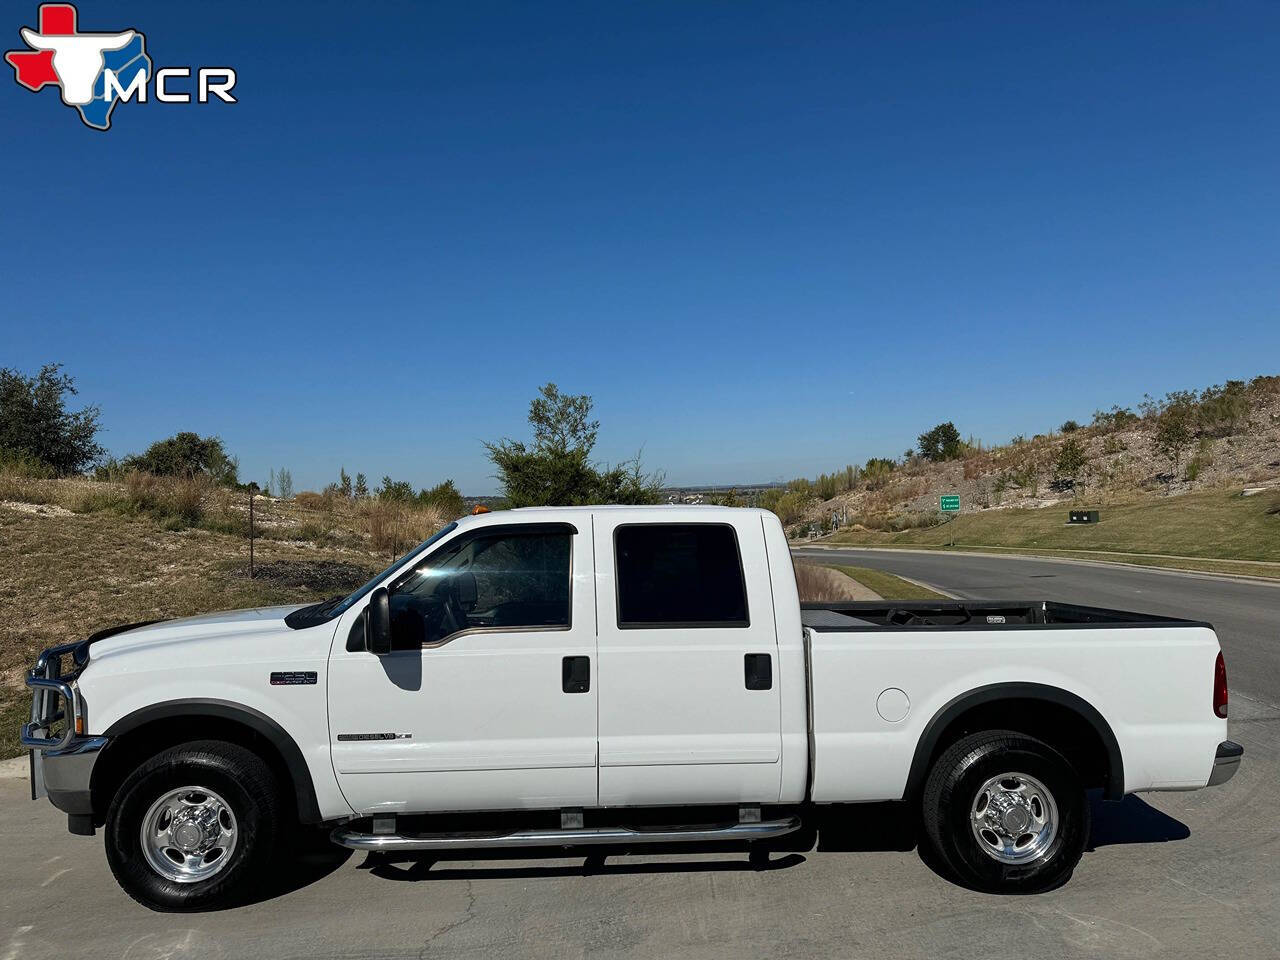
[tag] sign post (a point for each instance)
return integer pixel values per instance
(950, 503)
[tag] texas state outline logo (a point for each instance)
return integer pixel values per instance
(96, 71)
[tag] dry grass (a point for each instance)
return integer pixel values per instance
(394, 527)
(819, 584)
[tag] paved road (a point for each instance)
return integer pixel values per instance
(1246, 614)
(1170, 875)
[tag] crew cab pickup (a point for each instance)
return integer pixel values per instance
(560, 677)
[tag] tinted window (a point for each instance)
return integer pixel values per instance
(687, 574)
(502, 581)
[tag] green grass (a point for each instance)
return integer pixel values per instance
(886, 584)
(1217, 530)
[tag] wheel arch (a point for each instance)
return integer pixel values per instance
(176, 721)
(980, 704)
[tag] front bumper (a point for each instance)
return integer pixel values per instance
(61, 762)
(1225, 762)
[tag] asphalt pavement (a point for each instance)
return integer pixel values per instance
(1168, 875)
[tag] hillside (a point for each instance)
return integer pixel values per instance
(81, 555)
(1222, 439)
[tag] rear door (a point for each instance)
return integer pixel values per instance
(688, 698)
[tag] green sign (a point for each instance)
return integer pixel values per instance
(949, 503)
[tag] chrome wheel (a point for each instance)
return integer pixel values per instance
(189, 834)
(1014, 818)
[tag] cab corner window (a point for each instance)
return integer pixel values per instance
(679, 575)
(507, 580)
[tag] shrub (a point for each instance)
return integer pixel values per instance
(400, 491)
(877, 472)
(1112, 444)
(445, 498)
(186, 455)
(1116, 418)
(1175, 428)
(1070, 462)
(556, 469)
(311, 500)
(941, 443)
(1070, 426)
(35, 425)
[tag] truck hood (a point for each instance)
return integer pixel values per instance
(225, 623)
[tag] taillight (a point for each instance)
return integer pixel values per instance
(1220, 687)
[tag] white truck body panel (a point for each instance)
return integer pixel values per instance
(482, 720)
(1151, 685)
(674, 715)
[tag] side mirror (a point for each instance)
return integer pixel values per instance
(377, 623)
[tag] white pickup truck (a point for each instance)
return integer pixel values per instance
(613, 675)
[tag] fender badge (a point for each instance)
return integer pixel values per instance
(292, 678)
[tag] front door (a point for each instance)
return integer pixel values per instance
(689, 706)
(488, 698)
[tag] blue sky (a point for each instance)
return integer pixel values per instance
(767, 238)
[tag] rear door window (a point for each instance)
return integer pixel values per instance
(679, 575)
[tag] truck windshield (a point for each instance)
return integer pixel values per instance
(328, 609)
(403, 561)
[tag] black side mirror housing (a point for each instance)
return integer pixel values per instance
(377, 623)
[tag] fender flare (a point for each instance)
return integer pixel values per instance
(303, 787)
(978, 696)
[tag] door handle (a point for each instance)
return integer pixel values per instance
(758, 671)
(575, 674)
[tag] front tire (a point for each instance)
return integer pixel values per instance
(195, 827)
(1006, 813)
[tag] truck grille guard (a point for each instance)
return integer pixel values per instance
(53, 699)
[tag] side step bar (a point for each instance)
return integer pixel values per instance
(390, 842)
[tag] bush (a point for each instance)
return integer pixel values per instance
(398, 491)
(1175, 429)
(1117, 418)
(1070, 427)
(311, 500)
(35, 426)
(556, 469)
(941, 443)
(186, 455)
(1067, 467)
(445, 498)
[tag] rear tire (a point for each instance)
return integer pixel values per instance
(1006, 813)
(195, 827)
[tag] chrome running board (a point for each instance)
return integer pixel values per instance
(391, 842)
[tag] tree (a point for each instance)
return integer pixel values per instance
(941, 443)
(399, 491)
(284, 484)
(1175, 429)
(556, 469)
(1070, 427)
(36, 425)
(445, 497)
(361, 490)
(186, 455)
(1071, 461)
(344, 483)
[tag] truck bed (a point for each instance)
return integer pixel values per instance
(973, 615)
(884, 674)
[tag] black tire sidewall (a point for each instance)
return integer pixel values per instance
(962, 850)
(236, 775)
